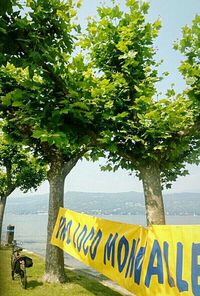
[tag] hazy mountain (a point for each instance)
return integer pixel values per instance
(123, 203)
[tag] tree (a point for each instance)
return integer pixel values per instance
(45, 96)
(18, 169)
(152, 137)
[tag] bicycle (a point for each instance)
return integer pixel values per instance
(19, 264)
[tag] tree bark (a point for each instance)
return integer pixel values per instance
(150, 175)
(54, 262)
(2, 210)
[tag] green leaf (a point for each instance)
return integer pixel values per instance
(80, 105)
(145, 7)
(37, 134)
(121, 115)
(7, 99)
(18, 104)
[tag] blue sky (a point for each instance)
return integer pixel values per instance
(174, 14)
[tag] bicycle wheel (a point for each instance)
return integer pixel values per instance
(12, 267)
(23, 279)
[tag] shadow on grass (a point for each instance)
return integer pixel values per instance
(33, 284)
(89, 283)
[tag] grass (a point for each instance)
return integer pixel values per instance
(78, 285)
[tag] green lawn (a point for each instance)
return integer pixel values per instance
(78, 285)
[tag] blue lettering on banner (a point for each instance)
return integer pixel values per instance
(123, 244)
(61, 225)
(166, 256)
(138, 265)
(109, 249)
(195, 269)
(68, 228)
(90, 236)
(63, 233)
(64, 229)
(131, 260)
(95, 244)
(74, 236)
(81, 237)
(181, 284)
(155, 270)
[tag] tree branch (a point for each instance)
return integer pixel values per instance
(55, 78)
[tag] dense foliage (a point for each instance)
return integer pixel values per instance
(154, 137)
(48, 87)
(139, 127)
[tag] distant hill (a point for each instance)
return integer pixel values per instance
(123, 203)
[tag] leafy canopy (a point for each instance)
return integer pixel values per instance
(138, 129)
(45, 84)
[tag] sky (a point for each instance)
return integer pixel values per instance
(87, 176)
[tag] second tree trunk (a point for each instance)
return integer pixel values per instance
(153, 194)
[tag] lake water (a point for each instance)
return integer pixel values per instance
(31, 229)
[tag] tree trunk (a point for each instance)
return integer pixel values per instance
(153, 194)
(2, 209)
(54, 262)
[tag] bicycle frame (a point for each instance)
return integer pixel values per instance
(18, 266)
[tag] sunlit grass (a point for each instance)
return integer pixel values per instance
(78, 285)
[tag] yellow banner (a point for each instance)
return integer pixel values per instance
(160, 260)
